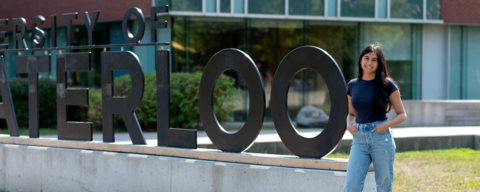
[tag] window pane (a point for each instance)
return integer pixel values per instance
(455, 63)
(396, 43)
(238, 6)
(225, 6)
(406, 9)
(433, 9)
(332, 8)
(357, 8)
(382, 9)
(473, 62)
(266, 7)
(340, 40)
(187, 5)
(306, 7)
(211, 6)
(162, 2)
(270, 41)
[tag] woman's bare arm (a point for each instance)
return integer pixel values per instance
(351, 117)
(399, 110)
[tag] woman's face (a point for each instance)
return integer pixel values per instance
(369, 62)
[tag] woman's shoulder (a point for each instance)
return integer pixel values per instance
(393, 85)
(352, 82)
(391, 82)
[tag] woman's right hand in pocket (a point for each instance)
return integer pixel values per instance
(352, 129)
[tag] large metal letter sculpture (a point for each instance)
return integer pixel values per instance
(239, 61)
(19, 37)
(318, 60)
(33, 64)
(90, 25)
(141, 25)
(126, 106)
(156, 24)
(71, 62)
(6, 107)
(169, 137)
(53, 32)
(3, 34)
(38, 32)
(69, 17)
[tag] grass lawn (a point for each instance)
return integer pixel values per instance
(436, 170)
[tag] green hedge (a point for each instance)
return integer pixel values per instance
(184, 112)
(47, 99)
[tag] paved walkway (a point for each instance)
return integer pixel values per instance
(272, 136)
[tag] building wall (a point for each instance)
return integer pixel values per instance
(109, 10)
(435, 62)
(461, 11)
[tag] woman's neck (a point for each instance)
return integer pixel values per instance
(368, 76)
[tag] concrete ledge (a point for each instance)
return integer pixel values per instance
(32, 168)
(204, 154)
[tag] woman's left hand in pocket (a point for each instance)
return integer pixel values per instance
(381, 128)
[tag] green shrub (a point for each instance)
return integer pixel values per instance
(47, 102)
(184, 111)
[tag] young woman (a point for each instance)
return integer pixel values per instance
(370, 97)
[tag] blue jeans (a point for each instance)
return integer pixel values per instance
(370, 146)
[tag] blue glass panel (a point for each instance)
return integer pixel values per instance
(455, 68)
(433, 9)
(211, 6)
(357, 8)
(382, 9)
(238, 6)
(473, 63)
(187, 5)
(225, 6)
(306, 7)
(266, 7)
(162, 2)
(406, 9)
(332, 8)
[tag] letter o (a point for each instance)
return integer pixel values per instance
(141, 25)
(239, 61)
(320, 61)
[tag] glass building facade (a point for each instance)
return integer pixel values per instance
(196, 39)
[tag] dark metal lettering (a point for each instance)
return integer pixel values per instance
(33, 64)
(90, 26)
(185, 138)
(3, 34)
(141, 25)
(38, 32)
(154, 24)
(71, 62)
(126, 106)
(7, 111)
(320, 61)
(69, 17)
(53, 32)
(239, 61)
(19, 37)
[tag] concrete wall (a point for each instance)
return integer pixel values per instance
(440, 113)
(30, 168)
(434, 62)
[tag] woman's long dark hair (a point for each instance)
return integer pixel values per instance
(380, 83)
